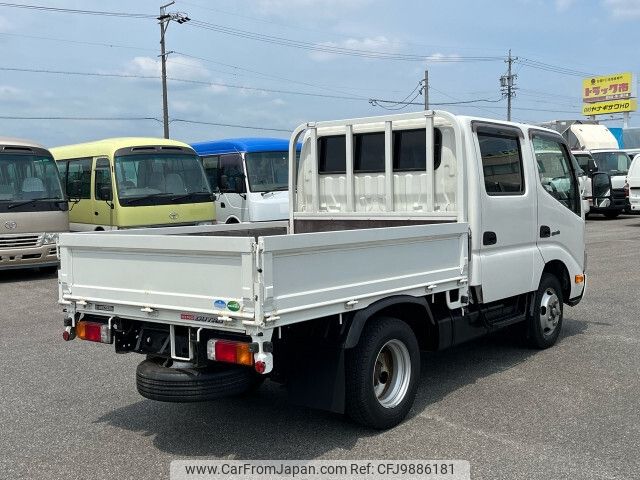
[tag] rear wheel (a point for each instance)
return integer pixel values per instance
(382, 373)
(546, 322)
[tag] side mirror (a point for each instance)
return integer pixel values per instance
(602, 191)
(75, 191)
(592, 167)
(105, 193)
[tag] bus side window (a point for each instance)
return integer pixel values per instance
(211, 164)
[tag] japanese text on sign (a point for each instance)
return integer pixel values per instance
(609, 87)
(614, 106)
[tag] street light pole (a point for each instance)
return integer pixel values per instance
(164, 20)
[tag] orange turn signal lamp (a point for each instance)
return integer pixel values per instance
(579, 279)
(240, 353)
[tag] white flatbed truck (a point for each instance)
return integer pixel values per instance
(406, 232)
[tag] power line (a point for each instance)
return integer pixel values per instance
(77, 11)
(71, 117)
(182, 80)
(333, 49)
(128, 119)
(552, 68)
(78, 42)
(198, 122)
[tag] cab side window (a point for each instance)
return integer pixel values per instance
(103, 180)
(556, 171)
(231, 174)
(78, 181)
(210, 164)
(501, 163)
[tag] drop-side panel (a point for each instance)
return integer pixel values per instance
(171, 275)
(316, 274)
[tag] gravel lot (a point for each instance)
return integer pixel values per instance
(71, 410)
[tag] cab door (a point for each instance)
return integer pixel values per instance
(508, 212)
(560, 233)
(232, 183)
(103, 206)
(78, 185)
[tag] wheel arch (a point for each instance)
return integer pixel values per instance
(414, 311)
(558, 269)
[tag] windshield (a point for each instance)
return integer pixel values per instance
(160, 179)
(29, 177)
(268, 171)
(613, 163)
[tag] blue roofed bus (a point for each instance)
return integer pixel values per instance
(249, 176)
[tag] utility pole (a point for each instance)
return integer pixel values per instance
(425, 89)
(507, 83)
(164, 19)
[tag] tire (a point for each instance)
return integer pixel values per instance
(183, 385)
(613, 214)
(382, 374)
(546, 321)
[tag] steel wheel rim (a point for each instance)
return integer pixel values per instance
(392, 373)
(550, 312)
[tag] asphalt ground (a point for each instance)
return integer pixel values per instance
(70, 410)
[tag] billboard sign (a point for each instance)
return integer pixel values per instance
(609, 94)
(610, 107)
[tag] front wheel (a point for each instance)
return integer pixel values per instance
(546, 321)
(612, 214)
(382, 373)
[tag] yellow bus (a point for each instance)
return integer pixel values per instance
(134, 182)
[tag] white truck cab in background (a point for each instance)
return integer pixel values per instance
(633, 181)
(406, 232)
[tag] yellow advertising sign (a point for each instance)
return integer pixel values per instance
(609, 87)
(607, 108)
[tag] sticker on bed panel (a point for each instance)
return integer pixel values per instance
(220, 304)
(233, 306)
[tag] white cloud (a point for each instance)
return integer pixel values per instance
(5, 26)
(371, 44)
(443, 57)
(316, 7)
(563, 5)
(623, 9)
(179, 67)
(9, 93)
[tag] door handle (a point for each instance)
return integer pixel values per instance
(489, 238)
(557, 232)
(545, 231)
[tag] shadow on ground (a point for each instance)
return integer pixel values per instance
(26, 275)
(265, 425)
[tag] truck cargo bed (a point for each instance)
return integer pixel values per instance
(247, 277)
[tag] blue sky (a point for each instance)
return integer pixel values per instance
(593, 36)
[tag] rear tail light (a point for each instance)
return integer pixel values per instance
(229, 351)
(626, 189)
(93, 331)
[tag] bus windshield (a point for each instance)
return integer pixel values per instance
(267, 171)
(160, 179)
(29, 178)
(613, 163)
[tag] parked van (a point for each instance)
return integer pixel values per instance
(249, 177)
(134, 182)
(33, 209)
(407, 232)
(633, 181)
